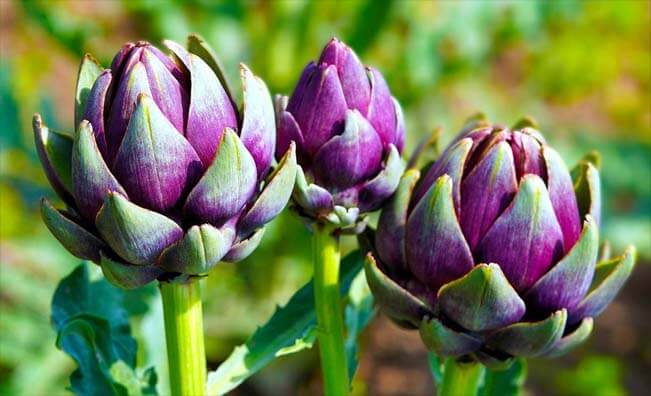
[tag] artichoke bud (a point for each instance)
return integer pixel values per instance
(349, 133)
(493, 252)
(164, 176)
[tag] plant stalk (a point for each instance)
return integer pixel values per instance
(330, 325)
(186, 355)
(461, 378)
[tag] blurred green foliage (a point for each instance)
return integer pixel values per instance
(596, 375)
(583, 69)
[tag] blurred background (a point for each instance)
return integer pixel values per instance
(581, 68)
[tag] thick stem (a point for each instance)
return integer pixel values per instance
(186, 355)
(461, 378)
(330, 323)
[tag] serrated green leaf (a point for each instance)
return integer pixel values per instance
(148, 381)
(125, 379)
(77, 295)
(505, 382)
(292, 328)
(82, 339)
(93, 327)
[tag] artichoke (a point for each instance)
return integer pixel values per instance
(493, 253)
(164, 177)
(349, 133)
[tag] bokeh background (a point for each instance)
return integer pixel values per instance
(581, 68)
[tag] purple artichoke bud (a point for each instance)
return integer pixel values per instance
(164, 175)
(349, 133)
(493, 252)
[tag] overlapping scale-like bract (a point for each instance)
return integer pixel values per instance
(492, 253)
(164, 176)
(349, 133)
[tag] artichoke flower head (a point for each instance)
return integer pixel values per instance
(349, 133)
(163, 175)
(493, 253)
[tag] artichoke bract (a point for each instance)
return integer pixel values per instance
(349, 133)
(493, 253)
(164, 176)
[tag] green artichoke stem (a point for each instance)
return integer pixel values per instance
(184, 336)
(461, 378)
(330, 325)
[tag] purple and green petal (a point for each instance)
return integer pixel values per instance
(226, 186)
(136, 234)
(445, 341)
(349, 158)
(572, 340)
(89, 70)
(486, 192)
(476, 126)
(295, 101)
(258, 125)
(376, 191)
(155, 163)
(481, 300)
(451, 163)
(532, 130)
(396, 302)
(348, 197)
(95, 109)
(170, 64)
(568, 281)
(180, 55)
(75, 238)
(587, 187)
(54, 150)
(400, 126)
(129, 87)
(343, 216)
(201, 248)
(484, 140)
(561, 193)
(128, 276)
(382, 110)
(273, 197)
(390, 235)
(166, 91)
(91, 178)
(322, 111)
(312, 198)
(243, 248)
(527, 155)
(526, 240)
(438, 252)
(199, 47)
(288, 131)
(210, 111)
(119, 60)
(609, 278)
(528, 339)
(352, 75)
